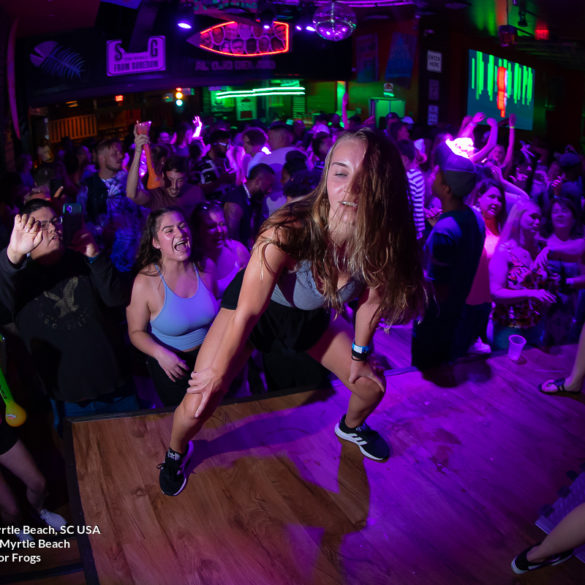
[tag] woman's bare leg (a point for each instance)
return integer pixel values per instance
(574, 381)
(19, 461)
(569, 533)
(333, 351)
(185, 424)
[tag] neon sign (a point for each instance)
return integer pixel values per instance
(260, 92)
(245, 40)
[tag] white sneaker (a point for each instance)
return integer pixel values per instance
(52, 519)
(479, 348)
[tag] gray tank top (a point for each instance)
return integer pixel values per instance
(298, 289)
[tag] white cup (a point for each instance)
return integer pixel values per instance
(515, 347)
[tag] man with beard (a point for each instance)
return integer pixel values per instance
(115, 221)
(176, 192)
(57, 298)
(243, 205)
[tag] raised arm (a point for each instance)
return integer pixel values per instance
(509, 158)
(492, 141)
(134, 190)
(469, 123)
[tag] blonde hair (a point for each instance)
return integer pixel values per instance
(383, 251)
(511, 230)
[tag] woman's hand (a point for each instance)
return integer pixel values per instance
(541, 259)
(26, 236)
(173, 366)
(370, 369)
(207, 385)
(543, 296)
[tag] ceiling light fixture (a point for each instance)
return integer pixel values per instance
(334, 21)
(186, 16)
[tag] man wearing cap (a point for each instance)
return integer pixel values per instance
(452, 252)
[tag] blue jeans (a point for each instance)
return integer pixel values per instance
(533, 335)
(63, 409)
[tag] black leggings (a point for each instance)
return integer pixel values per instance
(171, 393)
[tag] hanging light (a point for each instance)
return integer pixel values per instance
(334, 21)
(185, 16)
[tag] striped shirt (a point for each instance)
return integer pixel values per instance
(416, 188)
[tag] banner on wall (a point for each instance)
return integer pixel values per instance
(366, 50)
(121, 62)
(401, 59)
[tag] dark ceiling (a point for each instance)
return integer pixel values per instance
(563, 19)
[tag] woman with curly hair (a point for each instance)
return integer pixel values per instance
(351, 238)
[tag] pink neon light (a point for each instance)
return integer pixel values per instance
(209, 40)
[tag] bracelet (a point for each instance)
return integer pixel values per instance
(360, 352)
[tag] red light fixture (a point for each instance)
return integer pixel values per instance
(541, 33)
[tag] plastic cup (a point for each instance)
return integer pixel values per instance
(143, 127)
(515, 347)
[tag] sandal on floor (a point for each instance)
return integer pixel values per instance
(559, 384)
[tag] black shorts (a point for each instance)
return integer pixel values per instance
(280, 327)
(8, 437)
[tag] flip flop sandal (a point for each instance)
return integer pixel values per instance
(560, 387)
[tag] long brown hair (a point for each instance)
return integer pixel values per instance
(383, 251)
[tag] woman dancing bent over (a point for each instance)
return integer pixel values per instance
(352, 238)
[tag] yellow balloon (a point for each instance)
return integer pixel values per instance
(15, 414)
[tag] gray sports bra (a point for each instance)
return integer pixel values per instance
(298, 289)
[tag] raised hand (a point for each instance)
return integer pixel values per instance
(198, 126)
(26, 236)
(84, 243)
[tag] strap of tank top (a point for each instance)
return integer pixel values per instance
(162, 277)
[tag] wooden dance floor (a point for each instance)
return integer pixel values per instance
(275, 498)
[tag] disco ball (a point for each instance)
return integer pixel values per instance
(334, 22)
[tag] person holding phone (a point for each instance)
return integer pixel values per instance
(58, 298)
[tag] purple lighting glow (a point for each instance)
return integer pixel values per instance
(184, 25)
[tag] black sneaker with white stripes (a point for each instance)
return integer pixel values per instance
(172, 476)
(370, 442)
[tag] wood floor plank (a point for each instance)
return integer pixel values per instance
(276, 498)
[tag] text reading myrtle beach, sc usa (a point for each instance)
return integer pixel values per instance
(17, 551)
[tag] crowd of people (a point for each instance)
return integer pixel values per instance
(198, 247)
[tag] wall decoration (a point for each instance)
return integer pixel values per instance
(366, 50)
(243, 40)
(401, 58)
(121, 62)
(57, 61)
